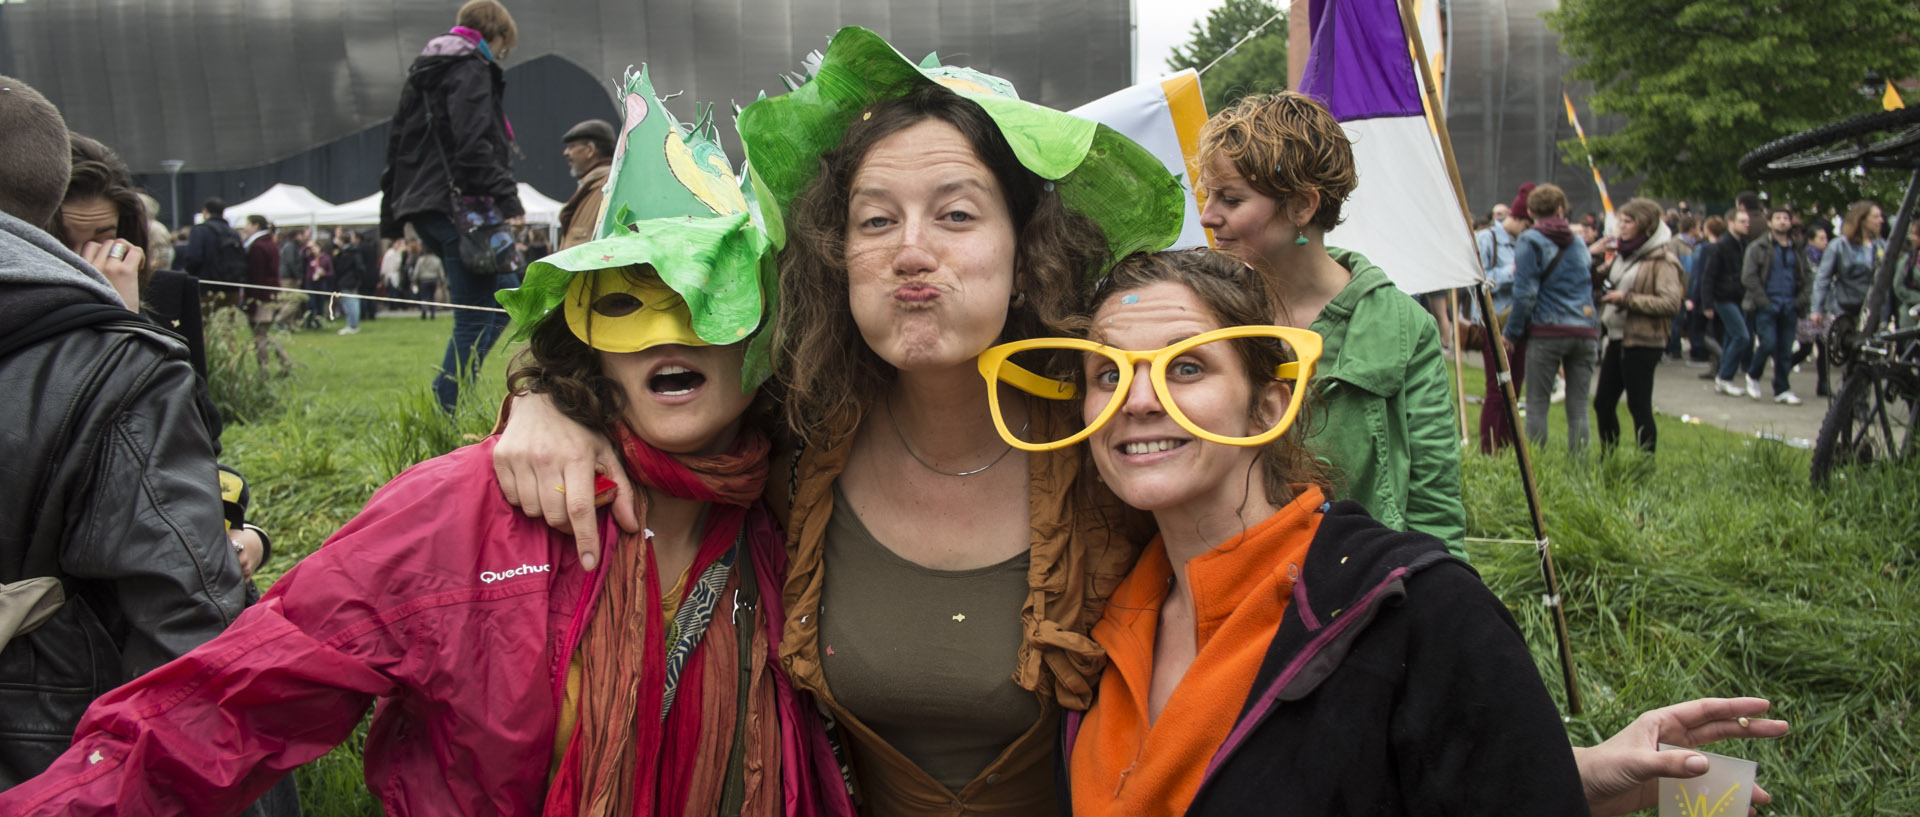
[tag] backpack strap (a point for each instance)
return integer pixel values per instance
(1548, 269)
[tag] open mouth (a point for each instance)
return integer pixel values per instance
(673, 379)
(1150, 446)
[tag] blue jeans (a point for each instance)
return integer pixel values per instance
(351, 306)
(1775, 326)
(474, 332)
(1736, 342)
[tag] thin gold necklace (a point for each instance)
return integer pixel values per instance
(895, 422)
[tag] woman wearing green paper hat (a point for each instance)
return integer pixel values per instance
(942, 582)
(509, 677)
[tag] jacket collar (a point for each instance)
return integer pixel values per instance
(1375, 357)
(1355, 567)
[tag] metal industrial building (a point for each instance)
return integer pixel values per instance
(247, 93)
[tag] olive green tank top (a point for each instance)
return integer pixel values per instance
(924, 657)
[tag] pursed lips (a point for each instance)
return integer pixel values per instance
(916, 294)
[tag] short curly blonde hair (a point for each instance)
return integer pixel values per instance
(1285, 145)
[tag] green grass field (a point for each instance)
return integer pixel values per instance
(1709, 569)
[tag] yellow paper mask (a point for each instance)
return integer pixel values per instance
(627, 309)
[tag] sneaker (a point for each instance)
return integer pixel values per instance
(351, 330)
(1788, 398)
(1753, 388)
(1726, 387)
(1559, 389)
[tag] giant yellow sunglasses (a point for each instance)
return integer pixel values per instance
(1009, 363)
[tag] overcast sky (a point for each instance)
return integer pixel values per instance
(1162, 25)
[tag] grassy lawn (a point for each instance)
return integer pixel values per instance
(1709, 569)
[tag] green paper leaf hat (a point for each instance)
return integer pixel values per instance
(1099, 172)
(671, 201)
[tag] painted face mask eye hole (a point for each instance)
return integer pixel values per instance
(616, 305)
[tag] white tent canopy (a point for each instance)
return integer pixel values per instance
(288, 203)
(359, 211)
(539, 209)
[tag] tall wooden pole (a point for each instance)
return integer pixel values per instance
(1299, 39)
(1502, 370)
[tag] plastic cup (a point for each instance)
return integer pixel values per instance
(1726, 790)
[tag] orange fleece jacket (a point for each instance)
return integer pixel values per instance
(1121, 763)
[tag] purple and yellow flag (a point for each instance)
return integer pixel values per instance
(1405, 216)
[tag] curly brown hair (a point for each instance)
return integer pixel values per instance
(829, 375)
(1285, 145)
(565, 369)
(1235, 295)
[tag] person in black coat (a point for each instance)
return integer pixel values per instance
(1723, 291)
(349, 277)
(451, 148)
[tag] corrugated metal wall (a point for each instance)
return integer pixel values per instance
(293, 86)
(1504, 110)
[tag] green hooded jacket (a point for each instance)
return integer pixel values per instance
(1386, 420)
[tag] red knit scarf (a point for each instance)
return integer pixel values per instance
(622, 759)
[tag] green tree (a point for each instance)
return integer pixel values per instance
(1701, 82)
(1259, 65)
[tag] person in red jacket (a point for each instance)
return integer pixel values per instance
(506, 677)
(261, 305)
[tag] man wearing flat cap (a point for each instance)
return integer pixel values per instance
(589, 152)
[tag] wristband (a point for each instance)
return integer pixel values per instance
(266, 542)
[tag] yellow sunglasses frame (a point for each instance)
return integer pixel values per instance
(995, 368)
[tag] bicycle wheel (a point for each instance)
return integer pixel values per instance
(1890, 139)
(1870, 421)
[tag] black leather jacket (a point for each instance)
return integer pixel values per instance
(451, 120)
(110, 485)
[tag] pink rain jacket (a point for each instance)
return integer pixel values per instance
(441, 602)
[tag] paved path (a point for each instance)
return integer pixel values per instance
(1678, 392)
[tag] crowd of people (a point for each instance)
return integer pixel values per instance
(933, 484)
(1717, 293)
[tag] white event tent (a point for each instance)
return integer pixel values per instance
(366, 211)
(289, 203)
(352, 214)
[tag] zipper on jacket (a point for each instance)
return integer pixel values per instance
(1334, 628)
